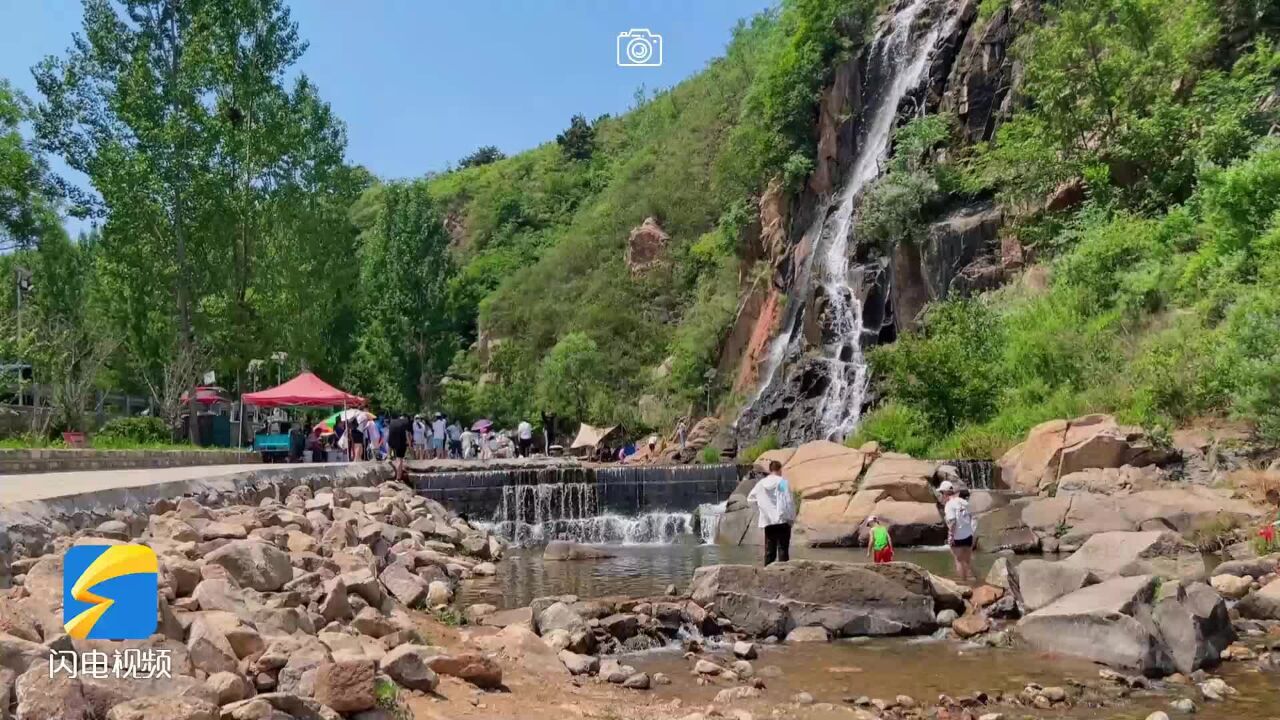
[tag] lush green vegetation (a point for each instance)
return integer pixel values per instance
(1162, 304)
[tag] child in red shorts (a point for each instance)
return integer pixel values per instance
(879, 545)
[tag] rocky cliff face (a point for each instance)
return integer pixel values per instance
(968, 73)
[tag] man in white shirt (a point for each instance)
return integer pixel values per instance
(524, 433)
(960, 530)
(438, 426)
(776, 510)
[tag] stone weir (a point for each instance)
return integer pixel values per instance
(532, 502)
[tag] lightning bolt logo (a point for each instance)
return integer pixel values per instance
(126, 610)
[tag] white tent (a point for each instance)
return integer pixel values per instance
(589, 437)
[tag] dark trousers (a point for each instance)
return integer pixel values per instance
(526, 445)
(777, 543)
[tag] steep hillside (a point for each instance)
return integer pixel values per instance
(547, 253)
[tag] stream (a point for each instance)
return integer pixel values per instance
(647, 569)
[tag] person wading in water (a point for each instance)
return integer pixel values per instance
(776, 510)
(960, 530)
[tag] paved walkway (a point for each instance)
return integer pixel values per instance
(47, 486)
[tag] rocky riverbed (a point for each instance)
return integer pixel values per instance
(337, 600)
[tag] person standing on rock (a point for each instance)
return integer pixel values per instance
(419, 438)
(524, 436)
(776, 510)
(960, 530)
(399, 438)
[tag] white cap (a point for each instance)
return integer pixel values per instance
(946, 487)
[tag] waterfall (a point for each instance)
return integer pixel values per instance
(533, 514)
(902, 62)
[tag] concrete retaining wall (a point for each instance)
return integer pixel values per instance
(13, 462)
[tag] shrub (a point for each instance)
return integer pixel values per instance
(896, 427)
(761, 446)
(139, 430)
(710, 455)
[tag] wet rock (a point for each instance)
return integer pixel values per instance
(844, 598)
(706, 667)
(1184, 705)
(621, 626)
(744, 650)
(409, 666)
(1157, 715)
(1215, 689)
(169, 708)
(559, 550)
(802, 698)
(728, 696)
(253, 564)
(612, 671)
(947, 617)
(637, 681)
(807, 634)
(580, 664)
(985, 595)
(660, 679)
(967, 626)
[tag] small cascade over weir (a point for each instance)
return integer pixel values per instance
(642, 504)
(814, 378)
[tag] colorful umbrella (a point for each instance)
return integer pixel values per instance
(482, 425)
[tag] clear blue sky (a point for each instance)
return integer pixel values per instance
(420, 83)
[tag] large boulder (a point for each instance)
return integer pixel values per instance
(782, 455)
(738, 523)
(1113, 554)
(1061, 447)
(346, 686)
(564, 550)
(1040, 582)
(1136, 624)
(902, 478)
(820, 468)
(254, 564)
(646, 246)
(1097, 623)
(910, 523)
(836, 520)
(1263, 604)
(1195, 626)
(845, 598)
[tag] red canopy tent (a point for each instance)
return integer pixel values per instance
(305, 390)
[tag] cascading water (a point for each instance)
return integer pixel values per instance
(899, 55)
(533, 514)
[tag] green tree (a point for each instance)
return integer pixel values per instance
(571, 376)
(408, 339)
(578, 141)
(207, 169)
(949, 372)
(27, 192)
(482, 156)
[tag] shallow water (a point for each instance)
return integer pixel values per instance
(841, 671)
(647, 569)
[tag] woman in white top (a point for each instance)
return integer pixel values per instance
(419, 437)
(960, 530)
